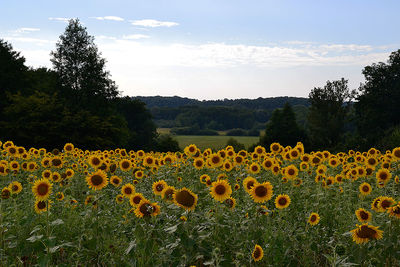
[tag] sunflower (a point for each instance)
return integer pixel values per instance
(125, 165)
(220, 190)
(146, 209)
(257, 253)
(15, 187)
(139, 174)
(89, 199)
(383, 175)
(248, 183)
(55, 177)
(228, 166)
(396, 153)
(56, 162)
(128, 190)
(97, 180)
(282, 201)
(198, 163)
(238, 159)
(68, 147)
(6, 193)
(365, 189)
(185, 198)
(215, 160)
(203, 178)
(261, 192)
(190, 150)
(14, 165)
(313, 219)
(59, 196)
(41, 206)
(394, 211)
(363, 215)
(230, 202)
(385, 203)
(42, 189)
(95, 161)
(135, 199)
(148, 161)
(168, 193)
(115, 181)
(69, 173)
(363, 233)
(276, 169)
(158, 187)
(275, 148)
(254, 168)
(119, 199)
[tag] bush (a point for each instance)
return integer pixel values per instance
(236, 132)
(253, 132)
(166, 143)
(192, 131)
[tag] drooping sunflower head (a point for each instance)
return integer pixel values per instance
(230, 202)
(261, 192)
(394, 211)
(119, 199)
(258, 253)
(97, 180)
(365, 232)
(282, 201)
(313, 219)
(6, 193)
(42, 189)
(59, 196)
(127, 190)
(385, 203)
(220, 190)
(185, 198)
(147, 209)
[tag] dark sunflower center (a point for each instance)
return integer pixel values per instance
(383, 176)
(185, 198)
(149, 161)
(168, 193)
(41, 205)
(257, 253)
(268, 164)
(229, 202)
(275, 147)
(5, 194)
(146, 209)
(250, 184)
(56, 162)
(96, 180)
(291, 172)
(220, 189)
(261, 191)
(364, 216)
(215, 160)
(159, 187)
(15, 188)
(366, 232)
(385, 204)
(116, 181)
(128, 190)
(137, 199)
(95, 161)
(42, 189)
(125, 165)
(282, 201)
(365, 188)
(313, 218)
(397, 153)
(199, 163)
(254, 168)
(396, 210)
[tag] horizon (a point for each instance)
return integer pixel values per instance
(211, 51)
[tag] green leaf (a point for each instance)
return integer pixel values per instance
(34, 238)
(57, 222)
(132, 244)
(171, 229)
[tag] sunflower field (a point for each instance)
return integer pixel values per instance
(276, 207)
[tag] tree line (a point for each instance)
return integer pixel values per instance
(76, 101)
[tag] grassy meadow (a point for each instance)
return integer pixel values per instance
(277, 207)
(214, 142)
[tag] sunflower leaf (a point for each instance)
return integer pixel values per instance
(57, 222)
(132, 244)
(171, 229)
(34, 238)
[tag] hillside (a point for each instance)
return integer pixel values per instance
(190, 115)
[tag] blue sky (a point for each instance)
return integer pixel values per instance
(215, 49)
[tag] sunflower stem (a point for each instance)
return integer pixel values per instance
(47, 230)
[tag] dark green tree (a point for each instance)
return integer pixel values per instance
(81, 69)
(166, 143)
(283, 128)
(327, 115)
(12, 72)
(377, 108)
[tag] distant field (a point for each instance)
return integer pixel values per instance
(215, 142)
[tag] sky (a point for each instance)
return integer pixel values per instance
(215, 49)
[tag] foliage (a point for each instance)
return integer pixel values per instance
(193, 130)
(327, 114)
(166, 142)
(377, 105)
(235, 144)
(283, 128)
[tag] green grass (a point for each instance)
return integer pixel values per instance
(214, 142)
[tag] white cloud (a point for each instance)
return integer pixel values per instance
(115, 18)
(29, 40)
(153, 23)
(60, 19)
(104, 37)
(135, 36)
(25, 30)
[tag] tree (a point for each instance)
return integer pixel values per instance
(81, 69)
(282, 128)
(327, 114)
(12, 72)
(378, 108)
